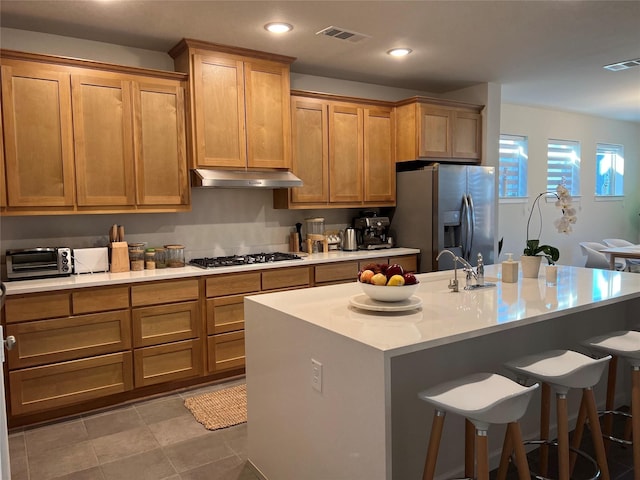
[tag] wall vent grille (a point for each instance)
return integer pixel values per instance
(343, 34)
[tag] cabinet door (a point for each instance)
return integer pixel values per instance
(38, 136)
(218, 105)
(225, 351)
(160, 149)
(345, 154)
(467, 138)
(102, 129)
(435, 132)
(165, 323)
(310, 150)
(164, 363)
(379, 161)
(3, 177)
(268, 115)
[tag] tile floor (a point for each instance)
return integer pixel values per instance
(150, 440)
(159, 439)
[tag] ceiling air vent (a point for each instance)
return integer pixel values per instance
(615, 67)
(343, 34)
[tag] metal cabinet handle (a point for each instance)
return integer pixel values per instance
(9, 342)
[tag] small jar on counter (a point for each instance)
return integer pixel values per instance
(161, 258)
(136, 258)
(175, 256)
(150, 259)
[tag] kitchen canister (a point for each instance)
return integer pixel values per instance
(136, 257)
(161, 257)
(174, 256)
(150, 259)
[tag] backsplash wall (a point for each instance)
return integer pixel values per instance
(222, 222)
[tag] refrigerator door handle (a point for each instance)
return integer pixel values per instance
(471, 225)
(464, 227)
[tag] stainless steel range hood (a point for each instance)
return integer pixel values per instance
(204, 177)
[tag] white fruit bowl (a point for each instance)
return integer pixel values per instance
(385, 293)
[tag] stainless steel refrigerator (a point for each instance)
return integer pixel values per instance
(445, 206)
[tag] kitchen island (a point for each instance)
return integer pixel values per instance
(355, 413)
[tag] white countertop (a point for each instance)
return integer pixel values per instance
(446, 316)
(105, 279)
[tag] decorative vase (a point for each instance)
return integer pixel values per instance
(530, 265)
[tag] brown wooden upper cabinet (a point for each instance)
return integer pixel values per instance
(343, 151)
(83, 137)
(38, 135)
(438, 129)
(240, 115)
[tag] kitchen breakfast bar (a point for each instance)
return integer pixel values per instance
(332, 388)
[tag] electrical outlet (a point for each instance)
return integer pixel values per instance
(316, 375)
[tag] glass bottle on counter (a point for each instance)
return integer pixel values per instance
(136, 257)
(161, 259)
(150, 259)
(175, 256)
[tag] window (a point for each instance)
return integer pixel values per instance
(563, 165)
(609, 170)
(513, 166)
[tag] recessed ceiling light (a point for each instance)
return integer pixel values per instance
(278, 27)
(615, 67)
(399, 52)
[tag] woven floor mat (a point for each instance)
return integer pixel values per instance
(220, 409)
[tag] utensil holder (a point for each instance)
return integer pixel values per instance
(119, 257)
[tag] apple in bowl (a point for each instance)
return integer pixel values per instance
(387, 283)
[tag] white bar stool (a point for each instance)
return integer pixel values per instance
(626, 345)
(562, 370)
(483, 399)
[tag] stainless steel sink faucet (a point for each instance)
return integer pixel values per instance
(453, 284)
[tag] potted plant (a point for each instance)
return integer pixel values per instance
(534, 251)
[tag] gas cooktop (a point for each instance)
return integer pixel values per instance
(248, 259)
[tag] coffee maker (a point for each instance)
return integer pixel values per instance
(372, 232)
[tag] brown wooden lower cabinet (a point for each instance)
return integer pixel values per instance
(164, 363)
(60, 339)
(165, 323)
(226, 351)
(53, 386)
(339, 272)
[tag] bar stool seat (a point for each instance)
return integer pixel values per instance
(622, 344)
(562, 370)
(483, 399)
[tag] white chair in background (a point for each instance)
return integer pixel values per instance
(596, 259)
(619, 242)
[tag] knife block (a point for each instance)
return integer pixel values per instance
(119, 257)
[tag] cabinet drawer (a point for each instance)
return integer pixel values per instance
(165, 292)
(53, 386)
(164, 363)
(165, 323)
(225, 314)
(35, 307)
(100, 300)
(57, 340)
(285, 278)
(222, 285)
(225, 351)
(362, 263)
(408, 262)
(336, 271)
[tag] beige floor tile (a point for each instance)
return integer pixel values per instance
(151, 465)
(93, 473)
(54, 436)
(178, 429)
(61, 461)
(113, 421)
(18, 456)
(228, 468)
(198, 451)
(124, 444)
(155, 411)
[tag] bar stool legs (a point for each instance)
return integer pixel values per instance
(635, 420)
(482, 399)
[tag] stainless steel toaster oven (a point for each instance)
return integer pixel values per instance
(40, 262)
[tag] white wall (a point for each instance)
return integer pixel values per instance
(596, 219)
